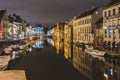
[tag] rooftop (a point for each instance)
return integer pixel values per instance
(87, 13)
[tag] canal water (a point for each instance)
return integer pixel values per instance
(67, 62)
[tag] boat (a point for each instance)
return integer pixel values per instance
(8, 50)
(95, 52)
(22, 47)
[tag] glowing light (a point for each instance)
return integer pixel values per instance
(105, 75)
(110, 31)
(104, 27)
(111, 72)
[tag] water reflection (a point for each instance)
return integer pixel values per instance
(39, 44)
(59, 47)
(94, 68)
(50, 41)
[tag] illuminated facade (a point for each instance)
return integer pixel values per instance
(58, 37)
(84, 26)
(4, 25)
(99, 33)
(111, 22)
(19, 28)
(68, 39)
(75, 31)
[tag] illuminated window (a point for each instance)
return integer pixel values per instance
(110, 33)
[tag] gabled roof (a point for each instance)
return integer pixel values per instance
(87, 13)
(1, 14)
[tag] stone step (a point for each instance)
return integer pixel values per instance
(12, 75)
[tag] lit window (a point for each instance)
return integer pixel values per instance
(110, 33)
(96, 12)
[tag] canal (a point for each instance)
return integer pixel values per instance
(55, 60)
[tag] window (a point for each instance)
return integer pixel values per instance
(114, 34)
(119, 22)
(83, 21)
(110, 33)
(109, 13)
(79, 23)
(105, 33)
(114, 11)
(119, 33)
(105, 14)
(119, 9)
(90, 20)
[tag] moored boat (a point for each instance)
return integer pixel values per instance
(95, 52)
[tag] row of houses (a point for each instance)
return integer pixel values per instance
(96, 26)
(13, 27)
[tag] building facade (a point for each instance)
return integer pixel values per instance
(111, 23)
(99, 32)
(4, 25)
(84, 26)
(68, 39)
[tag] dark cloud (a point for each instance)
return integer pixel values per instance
(48, 12)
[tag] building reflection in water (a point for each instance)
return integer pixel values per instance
(59, 47)
(50, 41)
(94, 68)
(39, 44)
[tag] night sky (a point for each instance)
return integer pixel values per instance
(49, 12)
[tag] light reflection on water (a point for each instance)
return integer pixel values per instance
(94, 68)
(39, 44)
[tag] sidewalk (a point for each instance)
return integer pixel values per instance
(12, 75)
